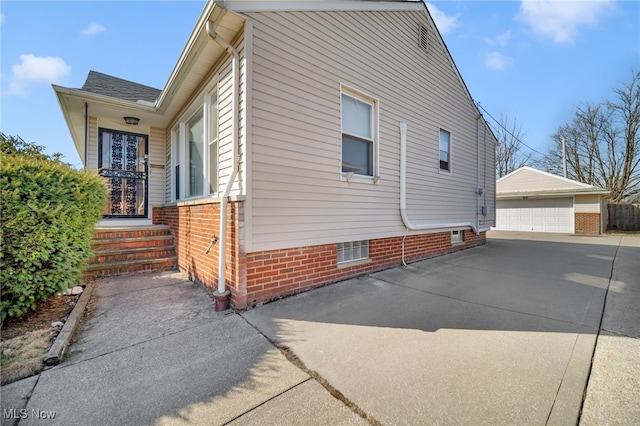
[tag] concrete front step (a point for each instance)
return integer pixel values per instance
(125, 250)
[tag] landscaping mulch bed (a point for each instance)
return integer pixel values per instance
(24, 341)
(55, 309)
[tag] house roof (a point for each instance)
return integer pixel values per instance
(527, 181)
(103, 84)
(321, 5)
(112, 97)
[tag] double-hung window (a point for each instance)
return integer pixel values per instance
(358, 134)
(195, 150)
(445, 151)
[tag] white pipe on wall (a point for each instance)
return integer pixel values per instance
(478, 173)
(403, 194)
(222, 257)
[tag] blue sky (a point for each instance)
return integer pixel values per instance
(530, 60)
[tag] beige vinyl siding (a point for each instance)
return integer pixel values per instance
(297, 195)
(157, 176)
(587, 204)
(225, 105)
(168, 185)
(225, 128)
(530, 180)
(92, 151)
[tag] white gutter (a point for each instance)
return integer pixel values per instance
(222, 263)
(403, 195)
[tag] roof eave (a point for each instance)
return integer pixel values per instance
(78, 139)
(548, 194)
(211, 12)
(108, 100)
(322, 6)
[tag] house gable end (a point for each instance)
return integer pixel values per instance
(529, 180)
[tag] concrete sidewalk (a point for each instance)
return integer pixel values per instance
(155, 352)
(613, 394)
(499, 334)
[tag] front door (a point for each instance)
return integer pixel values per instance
(122, 160)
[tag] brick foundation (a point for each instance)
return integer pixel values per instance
(587, 223)
(276, 273)
(259, 277)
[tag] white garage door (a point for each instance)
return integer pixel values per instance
(544, 215)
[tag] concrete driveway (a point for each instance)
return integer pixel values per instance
(500, 334)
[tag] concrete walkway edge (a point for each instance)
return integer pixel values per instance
(56, 352)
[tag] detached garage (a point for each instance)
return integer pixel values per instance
(532, 200)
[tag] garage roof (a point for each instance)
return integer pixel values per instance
(530, 182)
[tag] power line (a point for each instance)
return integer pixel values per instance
(507, 130)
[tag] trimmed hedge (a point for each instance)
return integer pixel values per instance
(48, 214)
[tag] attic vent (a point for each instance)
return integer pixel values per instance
(424, 37)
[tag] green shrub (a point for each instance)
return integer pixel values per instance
(48, 214)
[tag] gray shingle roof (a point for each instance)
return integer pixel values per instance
(103, 84)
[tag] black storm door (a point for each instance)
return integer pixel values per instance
(122, 160)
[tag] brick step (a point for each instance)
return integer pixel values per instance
(131, 242)
(140, 231)
(128, 250)
(130, 267)
(117, 255)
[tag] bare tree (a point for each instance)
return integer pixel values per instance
(602, 144)
(509, 150)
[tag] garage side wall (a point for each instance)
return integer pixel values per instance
(587, 211)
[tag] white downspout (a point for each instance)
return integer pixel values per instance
(478, 193)
(222, 263)
(403, 194)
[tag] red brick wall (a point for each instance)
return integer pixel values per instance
(259, 277)
(587, 223)
(192, 228)
(277, 273)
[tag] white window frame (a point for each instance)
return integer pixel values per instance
(176, 163)
(374, 139)
(456, 237)
(212, 137)
(187, 158)
(449, 170)
(202, 103)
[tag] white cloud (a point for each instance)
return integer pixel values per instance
(444, 22)
(562, 20)
(500, 40)
(93, 29)
(37, 70)
(497, 61)
(1, 18)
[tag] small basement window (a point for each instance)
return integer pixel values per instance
(352, 250)
(456, 237)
